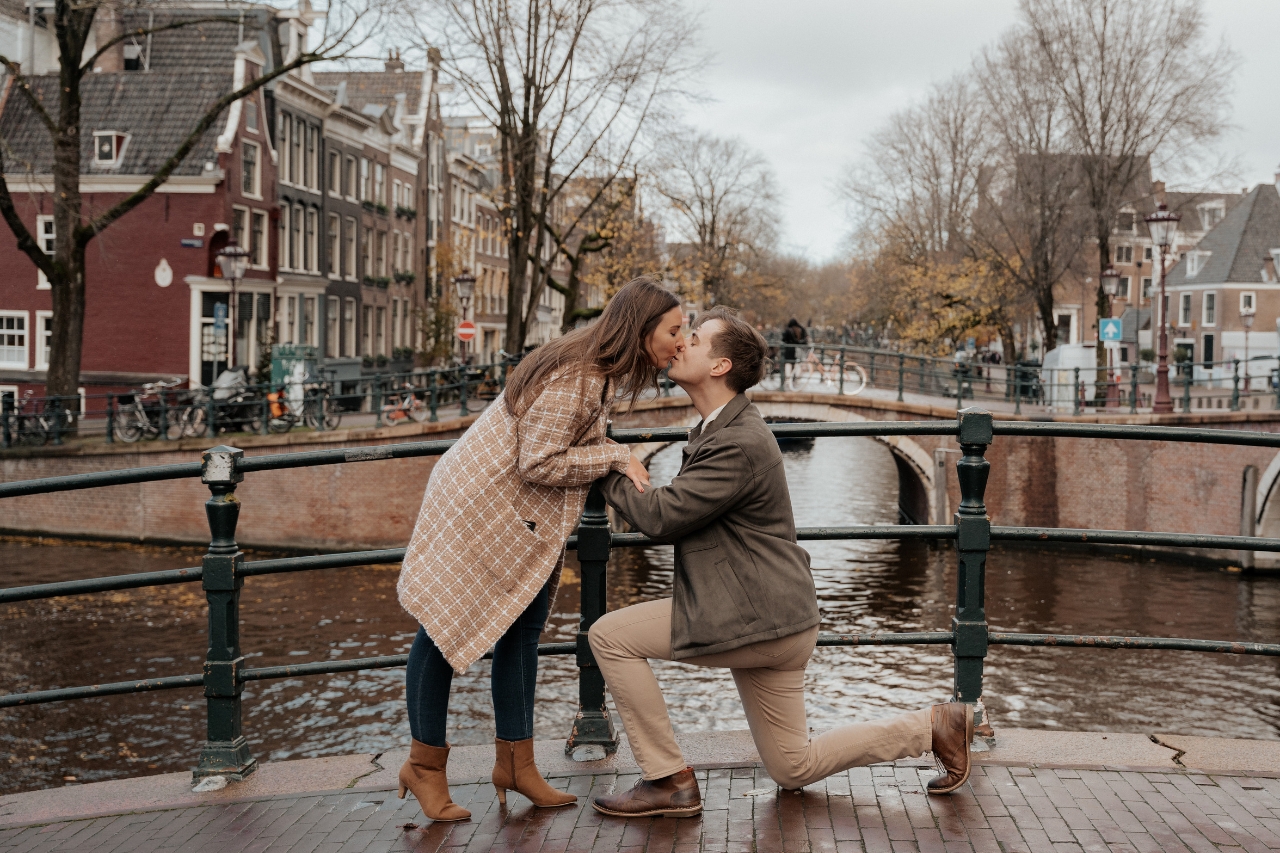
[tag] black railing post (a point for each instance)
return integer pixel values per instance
(841, 390)
(1186, 388)
(592, 726)
(973, 541)
(1076, 408)
(6, 416)
(1018, 374)
(225, 752)
(1235, 384)
(210, 416)
(902, 366)
(164, 417)
(376, 399)
(111, 418)
(53, 410)
(463, 411)
(1133, 389)
(434, 378)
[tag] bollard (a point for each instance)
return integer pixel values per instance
(6, 417)
(1018, 373)
(462, 392)
(1076, 392)
(841, 389)
(902, 365)
(959, 387)
(1235, 384)
(973, 541)
(592, 725)
(225, 752)
(1133, 389)
(434, 378)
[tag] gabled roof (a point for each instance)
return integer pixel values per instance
(375, 87)
(156, 109)
(200, 47)
(1237, 245)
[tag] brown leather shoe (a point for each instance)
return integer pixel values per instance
(514, 770)
(424, 774)
(952, 734)
(672, 796)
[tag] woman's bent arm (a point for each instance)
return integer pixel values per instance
(547, 431)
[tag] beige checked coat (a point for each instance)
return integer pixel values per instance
(473, 565)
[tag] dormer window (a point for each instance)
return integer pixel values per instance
(1195, 262)
(1211, 214)
(108, 148)
(133, 57)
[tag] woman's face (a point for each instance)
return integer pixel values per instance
(666, 341)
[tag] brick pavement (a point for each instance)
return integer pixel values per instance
(880, 808)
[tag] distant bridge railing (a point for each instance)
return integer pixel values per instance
(224, 569)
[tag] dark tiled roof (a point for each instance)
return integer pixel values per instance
(1238, 244)
(157, 109)
(200, 47)
(375, 87)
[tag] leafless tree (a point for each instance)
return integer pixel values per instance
(1138, 85)
(723, 206)
(562, 81)
(1032, 220)
(58, 108)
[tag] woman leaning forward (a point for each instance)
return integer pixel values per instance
(484, 561)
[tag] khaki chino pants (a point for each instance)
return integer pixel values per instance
(770, 679)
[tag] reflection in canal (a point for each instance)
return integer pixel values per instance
(863, 587)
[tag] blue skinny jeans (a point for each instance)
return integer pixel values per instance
(514, 676)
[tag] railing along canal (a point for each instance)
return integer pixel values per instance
(224, 569)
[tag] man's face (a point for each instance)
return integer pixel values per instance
(696, 364)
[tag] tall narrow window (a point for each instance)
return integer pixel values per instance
(380, 332)
(1210, 309)
(239, 225)
(348, 328)
(395, 323)
(331, 327)
(309, 320)
(13, 339)
(251, 113)
(249, 180)
(334, 176)
(366, 348)
(349, 182)
(313, 243)
(366, 249)
(382, 253)
(1184, 310)
(335, 243)
(295, 239)
(295, 158)
(258, 239)
(312, 161)
(364, 180)
(286, 147)
(349, 259)
(282, 238)
(379, 184)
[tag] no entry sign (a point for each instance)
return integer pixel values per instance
(466, 330)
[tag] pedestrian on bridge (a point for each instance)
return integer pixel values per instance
(743, 599)
(483, 564)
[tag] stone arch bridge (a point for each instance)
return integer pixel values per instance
(1034, 481)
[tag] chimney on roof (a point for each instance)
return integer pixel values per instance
(106, 25)
(1269, 268)
(393, 62)
(1157, 190)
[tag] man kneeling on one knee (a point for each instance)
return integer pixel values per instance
(743, 599)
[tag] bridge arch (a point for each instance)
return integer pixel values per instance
(917, 495)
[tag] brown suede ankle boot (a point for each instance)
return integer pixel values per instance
(424, 774)
(514, 770)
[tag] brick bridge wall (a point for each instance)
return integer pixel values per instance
(1087, 483)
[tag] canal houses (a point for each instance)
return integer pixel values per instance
(321, 177)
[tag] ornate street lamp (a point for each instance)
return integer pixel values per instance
(1164, 232)
(232, 262)
(1111, 286)
(1247, 313)
(465, 285)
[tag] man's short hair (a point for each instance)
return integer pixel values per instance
(742, 345)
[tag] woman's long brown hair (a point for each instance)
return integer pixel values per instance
(616, 345)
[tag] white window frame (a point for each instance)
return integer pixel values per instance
(26, 339)
(237, 212)
(42, 362)
(119, 142)
(1184, 310)
(1219, 206)
(42, 281)
(1209, 309)
(1195, 262)
(351, 239)
(258, 261)
(256, 192)
(1123, 291)
(1251, 297)
(334, 176)
(334, 233)
(313, 245)
(1124, 254)
(349, 322)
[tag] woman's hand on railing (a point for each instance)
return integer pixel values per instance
(637, 473)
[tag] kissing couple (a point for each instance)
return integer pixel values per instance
(484, 562)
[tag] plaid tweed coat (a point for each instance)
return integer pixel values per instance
(473, 565)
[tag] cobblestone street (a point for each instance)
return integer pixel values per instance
(882, 808)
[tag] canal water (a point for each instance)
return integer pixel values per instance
(863, 587)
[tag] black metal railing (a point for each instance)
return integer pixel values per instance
(224, 570)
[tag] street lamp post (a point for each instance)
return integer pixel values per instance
(465, 285)
(1111, 286)
(1164, 229)
(232, 262)
(1246, 319)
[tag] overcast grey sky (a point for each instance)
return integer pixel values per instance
(806, 82)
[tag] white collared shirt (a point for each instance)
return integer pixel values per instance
(706, 422)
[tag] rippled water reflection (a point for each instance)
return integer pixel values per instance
(863, 587)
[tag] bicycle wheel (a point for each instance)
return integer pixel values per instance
(31, 431)
(332, 414)
(193, 421)
(130, 427)
(419, 411)
(855, 379)
(282, 424)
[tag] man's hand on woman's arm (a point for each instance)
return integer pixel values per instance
(637, 473)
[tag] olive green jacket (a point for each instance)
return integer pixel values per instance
(740, 577)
